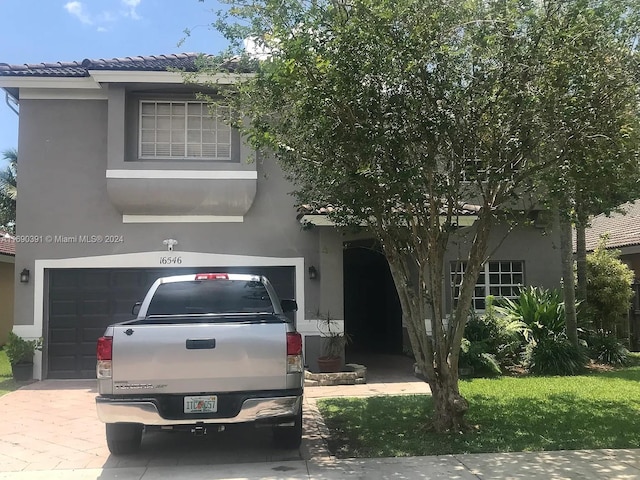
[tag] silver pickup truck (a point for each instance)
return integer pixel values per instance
(205, 350)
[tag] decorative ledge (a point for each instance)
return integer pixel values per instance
(212, 194)
(353, 374)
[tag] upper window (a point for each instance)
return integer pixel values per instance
(183, 130)
(497, 278)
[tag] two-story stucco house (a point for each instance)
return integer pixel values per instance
(125, 176)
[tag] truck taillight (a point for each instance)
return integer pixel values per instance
(104, 351)
(294, 352)
(212, 276)
(294, 343)
(105, 347)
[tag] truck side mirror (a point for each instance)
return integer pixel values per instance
(136, 308)
(289, 306)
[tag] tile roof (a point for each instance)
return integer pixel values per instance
(153, 63)
(7, 244)
(623, 230)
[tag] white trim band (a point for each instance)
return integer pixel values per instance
(186, 174)
(128, 76)
(182, 219)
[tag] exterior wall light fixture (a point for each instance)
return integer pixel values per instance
(24, 275)
(313, 273)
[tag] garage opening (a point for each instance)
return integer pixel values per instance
(83, 302)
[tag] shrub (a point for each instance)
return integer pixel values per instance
(555, 355)
(609, 290)
(539, 311)
(20, 350)
(606, 348)
(507, 340)
(490, 342)
(476, 356)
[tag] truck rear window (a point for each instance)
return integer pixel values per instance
(210, 297)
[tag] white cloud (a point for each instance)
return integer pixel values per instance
(131, 5)
(77, 10)
(106, 18)
(257, 49)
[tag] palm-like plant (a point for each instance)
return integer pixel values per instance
(9, 176)
(541, 312)
(9, 190)
(541, 315)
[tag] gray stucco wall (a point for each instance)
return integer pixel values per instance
(63, 191)
(539, 249)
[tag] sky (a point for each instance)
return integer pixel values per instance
(35, 31)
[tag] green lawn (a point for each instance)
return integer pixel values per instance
(510, 414)
(6, 378)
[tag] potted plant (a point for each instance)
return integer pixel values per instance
(20, 353)
(333, 343)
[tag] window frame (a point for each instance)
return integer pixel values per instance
(204, 114)
(484, 281)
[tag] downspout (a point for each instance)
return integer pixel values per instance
(12, 102)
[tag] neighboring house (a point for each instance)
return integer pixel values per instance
(623, 234)
(7, 275)
(119, 162)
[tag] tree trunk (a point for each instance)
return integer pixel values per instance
(581, 257)
(437, 354)
(566, 252)
(449, 407)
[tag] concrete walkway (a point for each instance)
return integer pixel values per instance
(587, 465)
(49, 430)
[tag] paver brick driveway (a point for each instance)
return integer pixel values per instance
(53, 425)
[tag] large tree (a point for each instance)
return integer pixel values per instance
(9, 190)
(590, 104)
(398, 113)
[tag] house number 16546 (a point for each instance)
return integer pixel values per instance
(170, 260)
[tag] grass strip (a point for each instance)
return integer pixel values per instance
(600, 410)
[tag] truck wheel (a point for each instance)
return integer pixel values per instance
(289, 437)
(123, 438)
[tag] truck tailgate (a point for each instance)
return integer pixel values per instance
(200, 357)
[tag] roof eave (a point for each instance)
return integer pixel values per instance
(127, 76)
(321, 220)
(10, 82)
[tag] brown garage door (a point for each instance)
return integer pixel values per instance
(83, 302)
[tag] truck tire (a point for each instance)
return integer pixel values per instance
(289, 437)
(123, 438)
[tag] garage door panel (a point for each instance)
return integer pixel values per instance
(95, 307)
(125, 305)
(63, 307)
(67, 279)
(62, 363)
(127, 279)
(88, 364)
(89, 335)
(96, 279)
(62, 335)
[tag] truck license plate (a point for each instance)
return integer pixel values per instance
(201, 404)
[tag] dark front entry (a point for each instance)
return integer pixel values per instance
(372, 312)
(83, 302)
